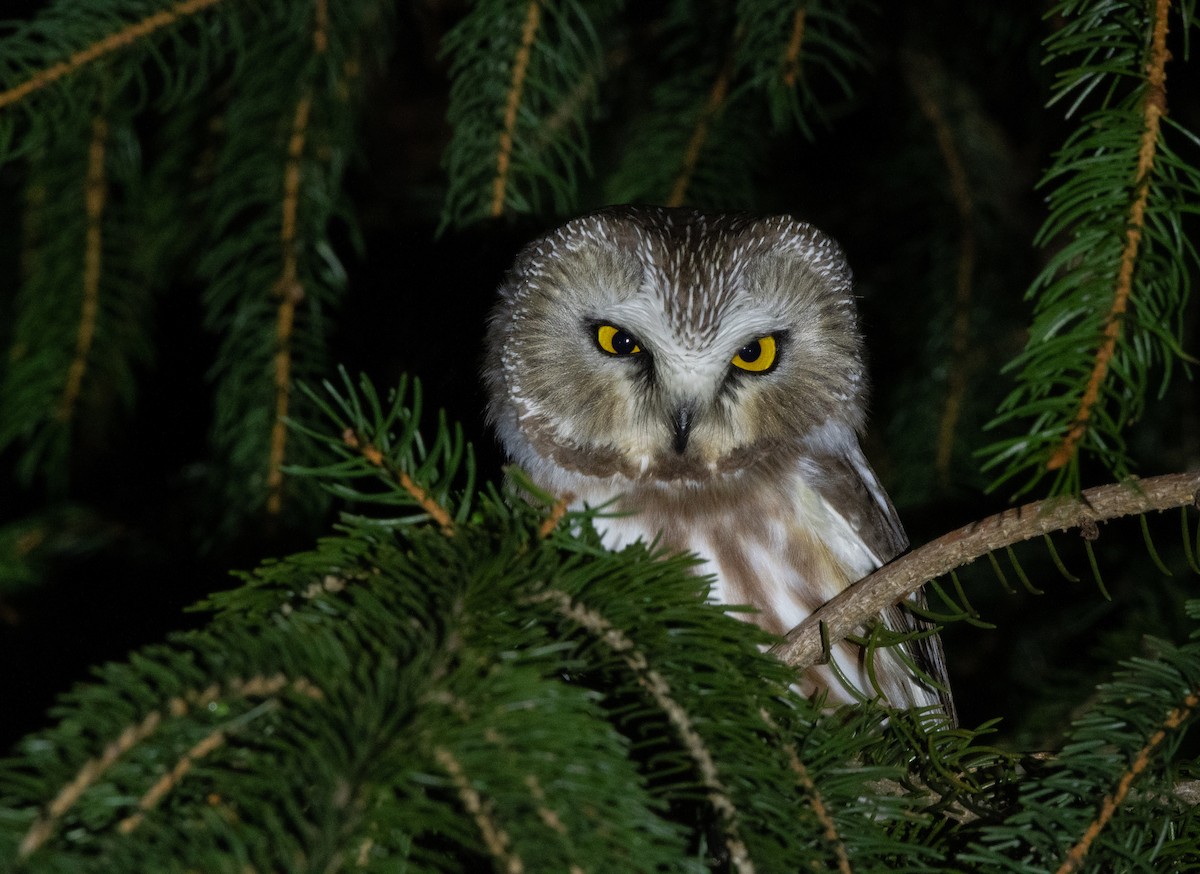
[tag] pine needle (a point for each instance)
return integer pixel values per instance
(1020, 571)
(1095, 566)
(1058, 562)
(1149, 541)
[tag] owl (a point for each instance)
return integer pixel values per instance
(702, 374)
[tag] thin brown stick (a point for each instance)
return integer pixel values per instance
(659, 689)
(290, 292)
(555, 515)
(436, 511)
(816, 802)
(533, 17)
(791, 58)
(1140, 762)
(96, 193)
(1154, 106)
(371, 453)
(495, 838)
(321, 27)
(259, 686)
(123, 38)
(288, 287)
(691, 155)
(171, 779)
(828, 827)
(896, 581)
(919, 72)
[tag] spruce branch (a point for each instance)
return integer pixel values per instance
(656, 685)
(805, 644)
(1109, 301)
(1078, 808)
(378, 440)
(789, 53)
(1141, 761)
(375, 458)
(274, 278)
(150, 799)
(43, 827)
(494, 836)
(113, 42)
(81, 313)
(828, 827)
(520, 66)
(96, 190)
(137, 733)
(791, 56)
(290, 292)
(523, 76)
(1154, 106)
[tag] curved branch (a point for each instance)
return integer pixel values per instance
(892, 583)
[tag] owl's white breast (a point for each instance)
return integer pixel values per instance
(772, 543)
(768, 541)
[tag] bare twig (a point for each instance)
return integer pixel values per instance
(896, 581)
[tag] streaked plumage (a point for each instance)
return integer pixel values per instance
(706, 372)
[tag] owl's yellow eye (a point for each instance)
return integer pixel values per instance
(757, 356)
(614, 341)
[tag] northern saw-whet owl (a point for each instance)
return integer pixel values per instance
(703, 375)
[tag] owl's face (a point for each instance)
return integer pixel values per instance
(669, 345)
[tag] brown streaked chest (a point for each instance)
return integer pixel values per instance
(765, 540)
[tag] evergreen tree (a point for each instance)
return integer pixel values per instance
(439, 672)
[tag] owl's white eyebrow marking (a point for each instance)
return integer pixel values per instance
(690, 272)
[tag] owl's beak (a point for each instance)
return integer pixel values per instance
(681, 425)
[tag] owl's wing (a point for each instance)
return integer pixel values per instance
(838, 471)
(851, 489)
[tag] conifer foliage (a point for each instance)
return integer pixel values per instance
(465, 679)
(142, 170)
(1109, 303)
(457, 676)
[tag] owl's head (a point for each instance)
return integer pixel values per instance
(663, 345)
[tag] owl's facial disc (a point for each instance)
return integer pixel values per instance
(687, 418)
